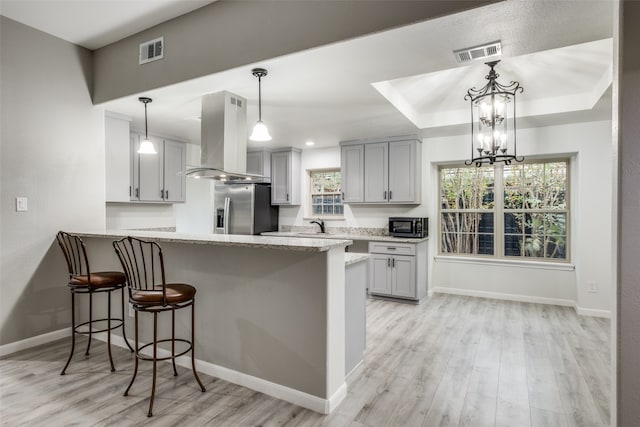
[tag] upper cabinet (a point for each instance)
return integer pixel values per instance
(259, 162)
(158, 177)
(352, 173)
(385, 171)
(285, 177)
(133, 177)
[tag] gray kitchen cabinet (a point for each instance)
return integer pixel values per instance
(175, 161)
(259, 163)
(389, 171)
(403, 178)
(398, 270)
(380, 274)
(376, 172)
(286, 177)
(352, 173)
(158, 177)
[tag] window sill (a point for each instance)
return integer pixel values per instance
(324, 218)
(541, 265)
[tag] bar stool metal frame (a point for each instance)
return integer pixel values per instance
(143, 264)
(83, 281)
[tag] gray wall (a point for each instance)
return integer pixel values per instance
(629, 206)
(52, 151)
(228, 34)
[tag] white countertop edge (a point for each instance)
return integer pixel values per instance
(265, 242)
(354, 258)
(370, 238)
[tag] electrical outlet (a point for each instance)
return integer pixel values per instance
(130, 310)
(593, 286)
(21, 204)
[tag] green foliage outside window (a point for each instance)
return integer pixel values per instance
(533, 210)
(326, 193)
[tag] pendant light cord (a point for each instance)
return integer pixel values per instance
(146, 128)
(259, 98)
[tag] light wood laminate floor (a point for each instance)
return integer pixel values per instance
(454, 360)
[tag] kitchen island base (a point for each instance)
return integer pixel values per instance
(270, 318)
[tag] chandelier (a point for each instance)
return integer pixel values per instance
(493, 121)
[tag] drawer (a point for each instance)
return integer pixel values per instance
(392, 248)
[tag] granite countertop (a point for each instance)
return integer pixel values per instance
(265, 242)
(345, 236)
(354, 257)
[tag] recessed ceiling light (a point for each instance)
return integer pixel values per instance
(309, 143)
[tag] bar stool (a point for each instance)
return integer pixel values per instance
(143, 264)
(83, 281)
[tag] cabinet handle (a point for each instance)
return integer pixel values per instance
(137, 192)
(390, 193)
(287, 197)
(384, 195)
(393, 262)
(391, 249)
(166, 194)
(129, 191)
(388, 262)
(162, 194)
(343, 195)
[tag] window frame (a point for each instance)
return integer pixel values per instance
(311, 193)
(499, 212)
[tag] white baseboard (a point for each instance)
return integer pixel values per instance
(503, 296)
(297, 397)
(524, 298)
(593, 312)
(34, 341)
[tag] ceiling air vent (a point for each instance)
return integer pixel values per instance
(478, 52)
(152, 50)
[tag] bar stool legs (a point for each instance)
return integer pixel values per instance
(193, 351)
(73, 332)
(155, 357)
(90, 333)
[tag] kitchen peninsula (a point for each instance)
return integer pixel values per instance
(270, 311)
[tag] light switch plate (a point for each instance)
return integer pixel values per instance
(21, 204)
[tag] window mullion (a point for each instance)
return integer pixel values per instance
(498, 215)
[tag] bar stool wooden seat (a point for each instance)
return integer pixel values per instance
(83, 281)
(143, 264)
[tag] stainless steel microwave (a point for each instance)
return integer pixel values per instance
(409, 227)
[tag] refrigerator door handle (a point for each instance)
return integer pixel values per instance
(227, 201)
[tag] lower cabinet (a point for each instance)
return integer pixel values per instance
(398, 270)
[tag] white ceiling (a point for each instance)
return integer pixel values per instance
(95, 23)
(327, 94)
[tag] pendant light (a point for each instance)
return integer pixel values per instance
(146, 146)
(260, 131)
(493, 121)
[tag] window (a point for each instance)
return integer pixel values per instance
(506, 210)
(326, 200)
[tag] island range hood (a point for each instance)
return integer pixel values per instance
(223, 140)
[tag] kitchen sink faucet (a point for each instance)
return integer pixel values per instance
(320, 224)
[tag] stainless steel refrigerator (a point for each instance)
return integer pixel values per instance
(244, 209)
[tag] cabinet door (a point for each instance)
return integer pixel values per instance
(403, 280)
(380, 274)
(134, 168)
(175, 161)
(402, 172)
(280, 178)
(151, 176)
(376, 179)
(352, 173)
